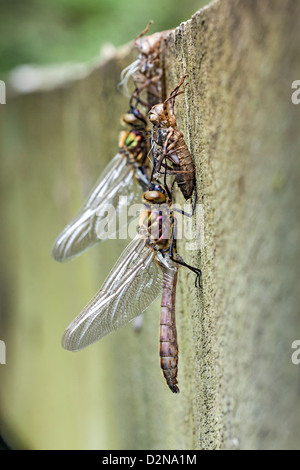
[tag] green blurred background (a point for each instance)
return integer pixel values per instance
(55, 31)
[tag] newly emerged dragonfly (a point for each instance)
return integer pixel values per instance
(147, 268)
(126, 175)
(168, 145)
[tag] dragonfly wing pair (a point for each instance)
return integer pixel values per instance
(133, 284)
(99, 218)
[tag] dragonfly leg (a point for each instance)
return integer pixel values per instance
(177, 259)
(135, 95)
(196, 271)
(175, 92)
(171, 170)
(143, 32)
(145, 85)
(180, 211)
(159, 161)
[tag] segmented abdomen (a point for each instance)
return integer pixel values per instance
(185, 181)
(179, 156)
(168, 332)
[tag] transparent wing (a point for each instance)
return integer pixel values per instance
(126, 73)
(99, 218)
(133, 284)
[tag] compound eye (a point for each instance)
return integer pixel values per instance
(155, 197)
(129, 118)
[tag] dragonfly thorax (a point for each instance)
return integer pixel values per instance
(156, 224)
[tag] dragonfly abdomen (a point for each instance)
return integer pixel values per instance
(186, 179)
(168, 332)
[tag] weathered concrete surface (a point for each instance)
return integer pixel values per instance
(239, 387)
(243, 131)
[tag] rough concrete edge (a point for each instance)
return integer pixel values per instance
(57, 76)
(211, 5)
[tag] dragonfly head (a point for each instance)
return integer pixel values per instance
(149, 44)
(155, 195)
(161, 114)
(134, 118)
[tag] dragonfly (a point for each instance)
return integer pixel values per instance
(147, 268)
(126, 175)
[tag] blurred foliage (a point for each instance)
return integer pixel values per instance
(53, 31)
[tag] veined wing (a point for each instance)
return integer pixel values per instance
(103, 205)
(133, 284)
